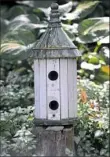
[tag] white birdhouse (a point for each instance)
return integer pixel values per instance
(55, 75)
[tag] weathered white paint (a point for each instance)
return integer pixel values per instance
(75, 87)
(37, 88)
(42, 89)
(64, 88)
(72, 87)
(53, 92)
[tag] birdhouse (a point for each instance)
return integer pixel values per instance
(55, 75)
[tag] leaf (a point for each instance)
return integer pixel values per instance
(105, 40)
(94, 59)
(23, 26)
(86, 24)
(3, 11)
(77, 139)
(27, 18)
(89, 66)
(98, 133)
(103, 151)
(103, 24)
(4, 26)
(82, 10)
(15, 11)
(42, 12)
(35, 4)
(27, 3)
(20, 36)
(106, 69)
(10, 45)
(82, 133)
(65, 8)
(102, 77)
(12, 50)
(20, 70)
(71, 30)
(30, 118)
(93, 29)
(99, 11)
(68, 152)
(25, 22)
(105, 53)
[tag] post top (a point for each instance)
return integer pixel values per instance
(54, 6)
(54, 16)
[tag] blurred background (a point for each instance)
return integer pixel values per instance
(86, 23)
(22, 24)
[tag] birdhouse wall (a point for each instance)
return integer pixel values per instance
(40, 88)
(55, 88)
(68, 88)
(64, 88)
(72, 88)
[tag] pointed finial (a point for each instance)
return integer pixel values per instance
(54, 16)
(54, 6)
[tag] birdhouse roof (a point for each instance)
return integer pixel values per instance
(55, 43)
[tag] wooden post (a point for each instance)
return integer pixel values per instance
(55, 141)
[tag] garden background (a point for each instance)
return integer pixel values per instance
(22, 24)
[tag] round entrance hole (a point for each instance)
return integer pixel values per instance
(53, 75)
(53, 105)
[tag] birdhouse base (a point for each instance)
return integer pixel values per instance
(63, 122)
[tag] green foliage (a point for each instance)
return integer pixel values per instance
(82, 10)
(16, 123)
(93, 29)
(91, 129)
(87, 24)
(15, 89)
(25, 22)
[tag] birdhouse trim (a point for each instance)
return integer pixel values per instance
(55, 75)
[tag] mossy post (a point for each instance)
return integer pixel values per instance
(55, 79)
